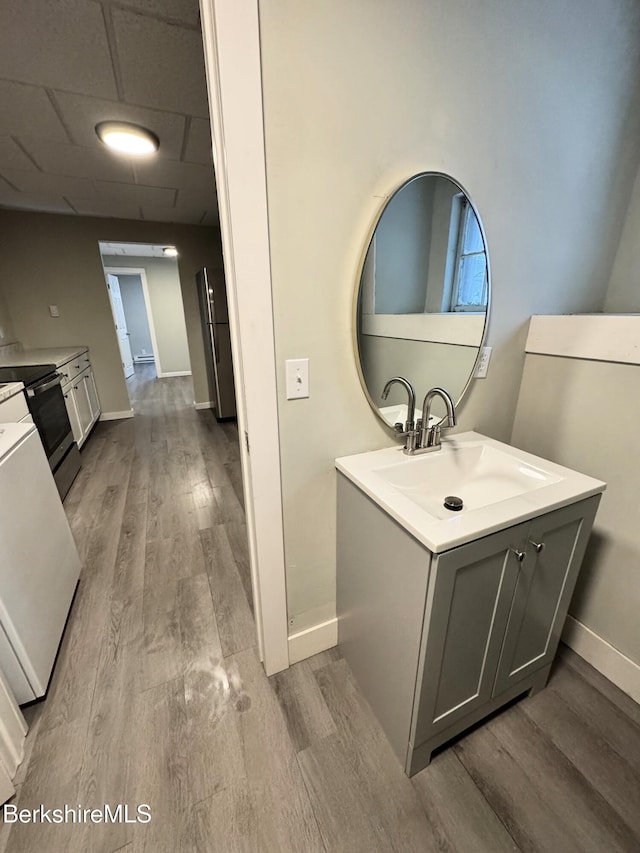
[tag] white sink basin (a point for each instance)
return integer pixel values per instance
(498, 484)
(476, 472)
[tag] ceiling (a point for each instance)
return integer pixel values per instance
(66, 65)
(137, 250)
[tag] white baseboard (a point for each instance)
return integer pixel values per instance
(313, 640)
(174, 373)
(116, 416)
(604, 657)
(200, 406)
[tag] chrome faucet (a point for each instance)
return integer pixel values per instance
(430, 436)
(409, 431)
(420, 437)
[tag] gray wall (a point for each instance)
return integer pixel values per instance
(7, 333)
(589, 421)
(167, 310)
(425, 363)
(623, 294)
(531, 106)
(403, 239)
(47, 258)
(135, 312)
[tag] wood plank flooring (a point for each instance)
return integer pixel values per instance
(158, 696)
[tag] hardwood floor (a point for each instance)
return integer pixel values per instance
(158, 696)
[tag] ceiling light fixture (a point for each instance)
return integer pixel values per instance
(127, 138)
(170, 252)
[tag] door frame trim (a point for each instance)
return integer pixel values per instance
(147, 304)
(231, 38)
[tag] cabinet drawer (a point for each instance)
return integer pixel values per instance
(14, 409)
(72, 368)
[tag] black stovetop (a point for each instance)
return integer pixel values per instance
(27, 373)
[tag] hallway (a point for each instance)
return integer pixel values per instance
(158, 696)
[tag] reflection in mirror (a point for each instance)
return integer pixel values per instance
(423, 294)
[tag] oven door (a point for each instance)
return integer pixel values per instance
(46, 404)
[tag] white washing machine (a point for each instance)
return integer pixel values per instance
(39, 563)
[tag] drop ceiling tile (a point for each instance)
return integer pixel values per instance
(198, 148)
(112, 208)
(46, 202)
(82, 114)
(186, 214)
(27, 111)
(204, 197)
(166, 173)
(60, 159)
(134, 194)
(12, 156)
(186, 11)
(39, 182)
(58, 43)
(162, 64)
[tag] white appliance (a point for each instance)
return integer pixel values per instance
(39, 564)
(13, 731)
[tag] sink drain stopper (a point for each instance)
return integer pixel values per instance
(453, 503)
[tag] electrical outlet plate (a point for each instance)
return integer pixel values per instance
(483, 363)
(297, 373)
(53, 311)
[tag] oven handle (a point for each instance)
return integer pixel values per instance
(40, 389)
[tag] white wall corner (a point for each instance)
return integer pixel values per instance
(612, 663)
(116, 416)
(313, 640)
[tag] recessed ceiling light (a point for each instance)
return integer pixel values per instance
(170, 251)
(127, 138)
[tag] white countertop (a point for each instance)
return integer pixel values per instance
(441, 531)
(44, 355)
(10, 389)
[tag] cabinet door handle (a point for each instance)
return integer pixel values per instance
(521, 556)
(537, 546)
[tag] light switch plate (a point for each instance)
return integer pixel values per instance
(297, 373)
(53, 310)
(483, 363)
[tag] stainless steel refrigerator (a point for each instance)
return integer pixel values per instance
(217, 342)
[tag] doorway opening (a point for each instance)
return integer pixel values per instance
(144, 291)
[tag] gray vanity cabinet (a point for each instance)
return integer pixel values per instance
(555, 546)
(468, 608)
(494, 615)
(439, 641)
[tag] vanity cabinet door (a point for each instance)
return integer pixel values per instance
(467, 611)
(555, 547)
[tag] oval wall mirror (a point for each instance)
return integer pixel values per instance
(423, 295)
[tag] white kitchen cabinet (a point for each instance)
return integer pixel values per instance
(72, 411)
(81, 397)
(92, 393)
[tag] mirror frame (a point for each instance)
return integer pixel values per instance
(356, 299)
